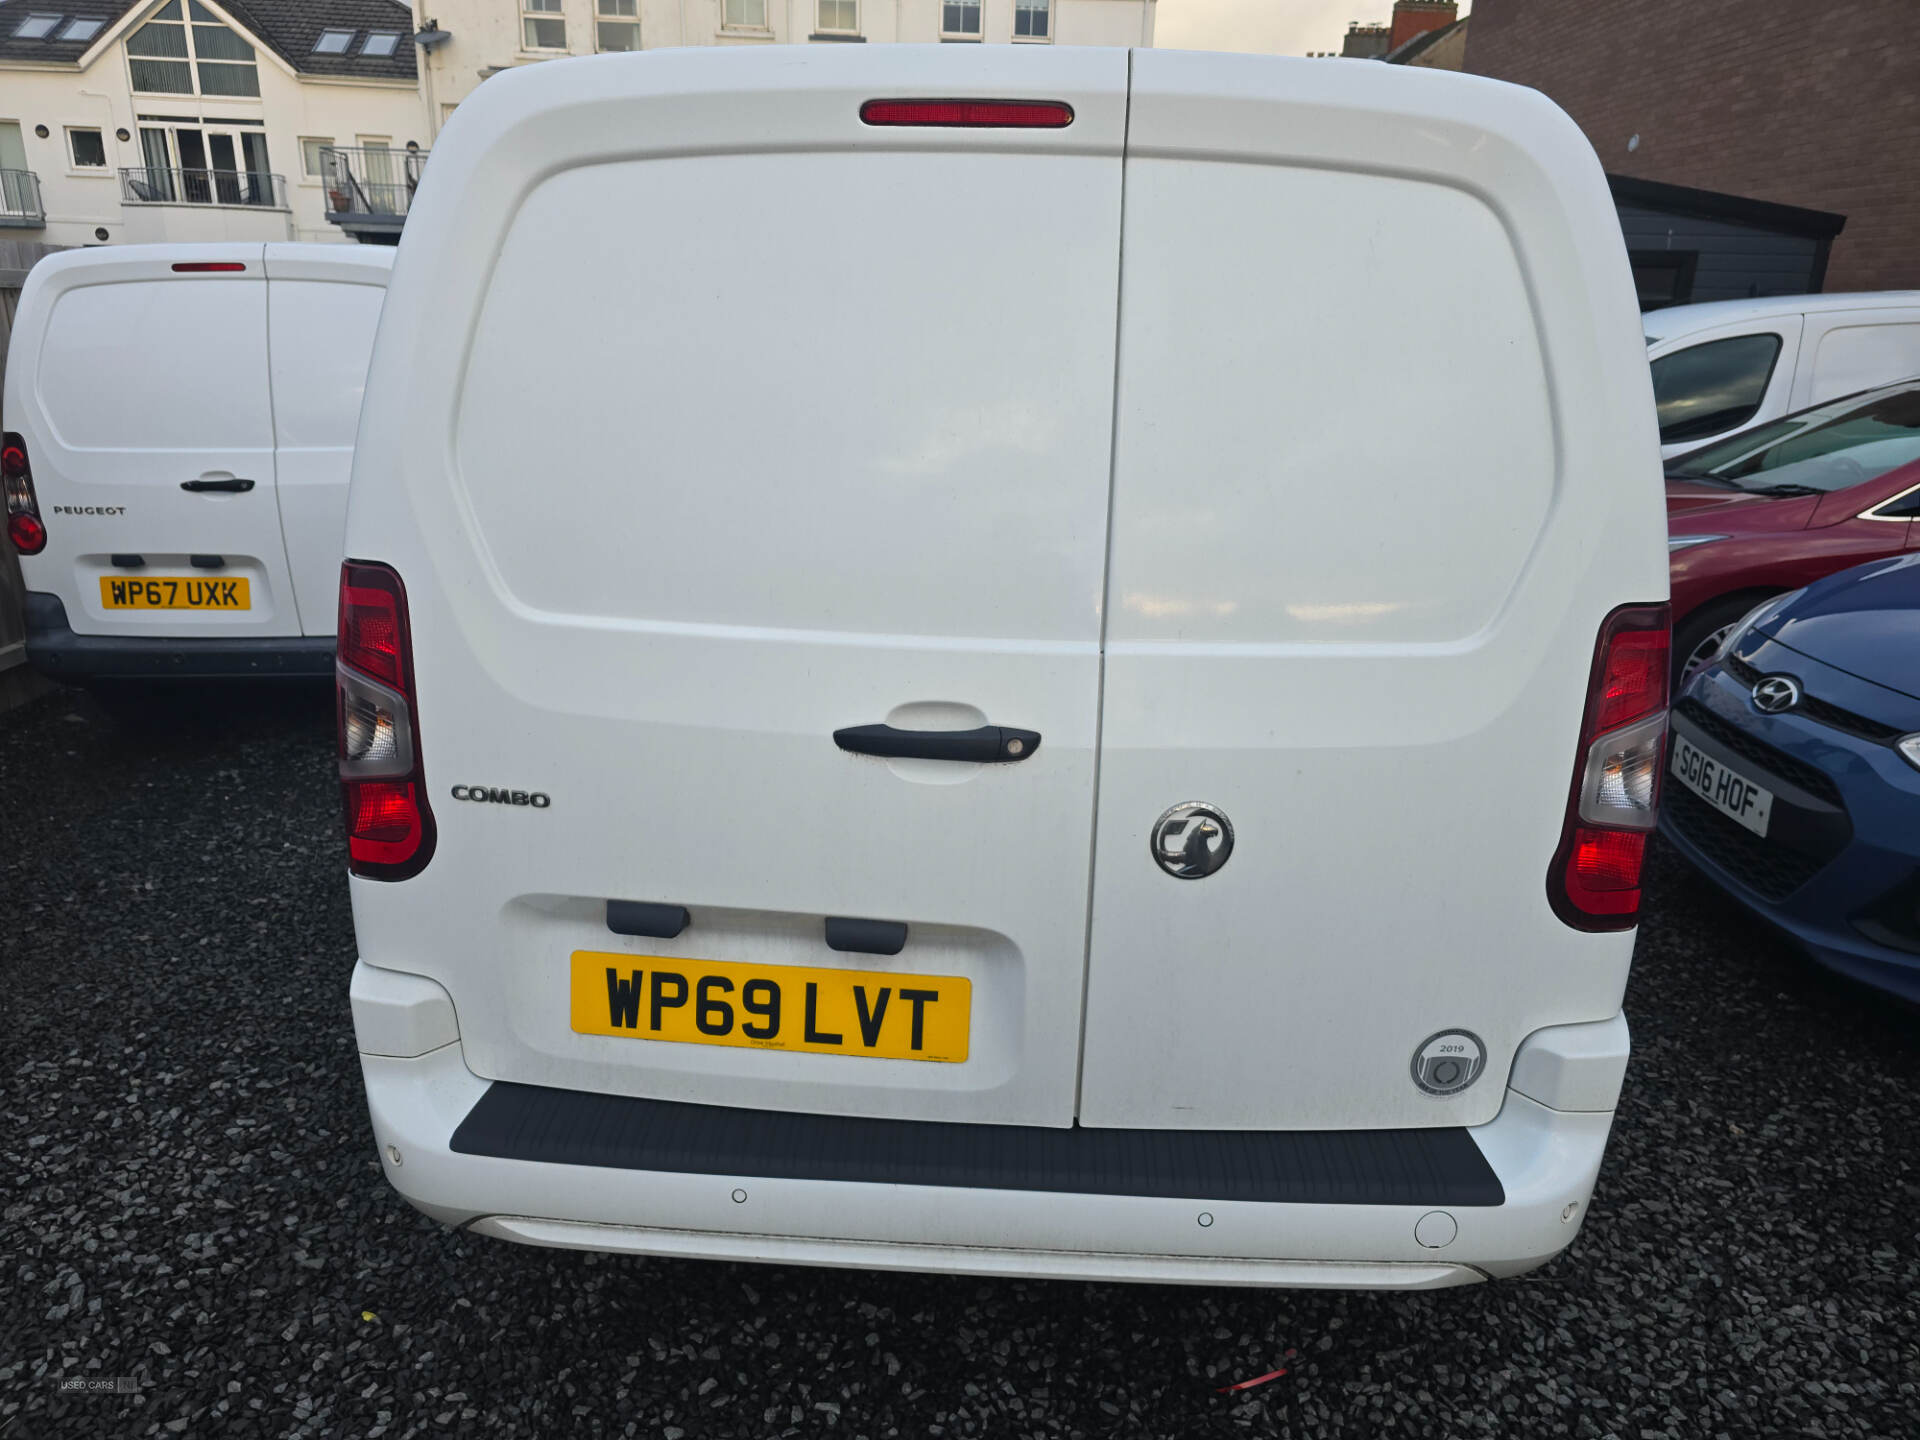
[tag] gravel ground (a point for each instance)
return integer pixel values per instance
(191, 1196)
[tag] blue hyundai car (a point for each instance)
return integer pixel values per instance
(1793, 770)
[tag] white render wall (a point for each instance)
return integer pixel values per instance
(80, 202)
(485, 35)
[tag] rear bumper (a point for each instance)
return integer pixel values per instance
(1545, 1161)
(58, 653)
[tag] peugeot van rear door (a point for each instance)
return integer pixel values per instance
(150, 430)
(323, 305)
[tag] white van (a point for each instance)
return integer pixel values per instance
(1728, 365)
(180, 423)
(939, 669)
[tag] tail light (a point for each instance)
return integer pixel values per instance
(382, 790)
(1594, 881)
(24, 526)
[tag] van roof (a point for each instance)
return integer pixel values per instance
(368, 257)
(1677, 320)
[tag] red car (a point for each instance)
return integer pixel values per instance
(1780, 506)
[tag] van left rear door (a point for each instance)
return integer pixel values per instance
(151, 435)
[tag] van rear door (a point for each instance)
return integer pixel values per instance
(770, 424)
(1377, 482)
(151, 435)
(323, 304)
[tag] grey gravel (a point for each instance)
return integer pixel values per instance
(189, 1196)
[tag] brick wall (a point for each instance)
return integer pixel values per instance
(1813, 105)
(1416, 17)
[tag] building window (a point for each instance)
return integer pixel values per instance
(1663, 277)
(840, 17)
(960, 18)
(333, 42)
(380, 43)
(541, 25)
(82, 29)
(1030, 19)
(744, 15)
(312, 164)
(88, 148)
(191, 54)
(36, 27)
(616, 24)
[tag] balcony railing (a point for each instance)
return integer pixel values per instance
(155, 185)
(20, 206)
(370, 189)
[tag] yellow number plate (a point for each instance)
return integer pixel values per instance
(174, 592)
(771, 1007)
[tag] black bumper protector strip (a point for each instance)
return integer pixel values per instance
(1301, 1167)
(58, 653)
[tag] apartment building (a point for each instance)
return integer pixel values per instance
(200, 119)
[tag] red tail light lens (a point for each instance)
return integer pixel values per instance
(369, 628)
(390, 831)
(25, 528)
(970, 114)
(26, 532)
(205, 267)
(1594, 880)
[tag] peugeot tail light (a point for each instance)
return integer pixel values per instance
(1594, 880)
(25, 528)
(383, 793)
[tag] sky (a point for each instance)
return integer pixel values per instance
(1274, 27)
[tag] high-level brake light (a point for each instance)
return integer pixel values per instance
(206, 267)
(390, 831)
(1594, 880)
(970, 114)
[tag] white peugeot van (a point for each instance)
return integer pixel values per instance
(941, 668)
(180, 423)
(1724, 366)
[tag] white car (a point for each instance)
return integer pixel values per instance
(1728, 365)
(180, 423)
(937, 671)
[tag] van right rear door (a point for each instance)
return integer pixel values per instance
(1383, 463)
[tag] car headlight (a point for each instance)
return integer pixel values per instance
(1762, 614)
(1687, 542)
(1909, 746)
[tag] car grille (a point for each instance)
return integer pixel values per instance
(1794, 772)
(1818, 710)
(1763, 865)
(1764, 868)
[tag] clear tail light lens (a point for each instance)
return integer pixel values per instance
(390, 831)
(24, 526)
(1594, 880)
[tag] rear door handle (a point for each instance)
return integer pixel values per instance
(989, 745)
(233, 485)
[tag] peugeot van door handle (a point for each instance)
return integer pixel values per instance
(231, 486)
(989, 745)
